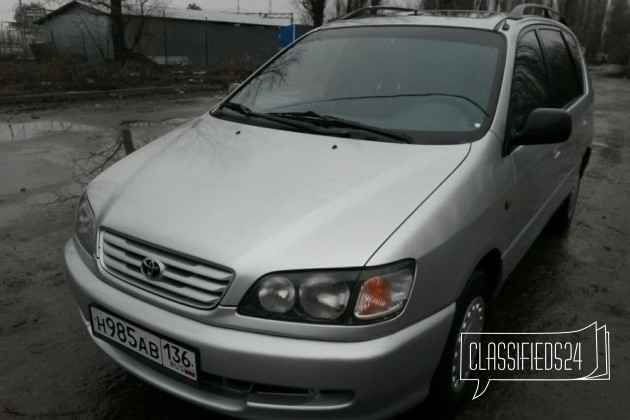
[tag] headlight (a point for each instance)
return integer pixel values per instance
(85, 225)
(276, 294)
(323, 297)
(345, 296)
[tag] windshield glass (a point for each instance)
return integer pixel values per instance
(433, 84)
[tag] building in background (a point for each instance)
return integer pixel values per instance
(82, 33)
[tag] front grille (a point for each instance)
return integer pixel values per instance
(184, 280)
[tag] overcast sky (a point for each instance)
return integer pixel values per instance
(279, 6)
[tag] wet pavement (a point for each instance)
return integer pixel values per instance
(49, 368)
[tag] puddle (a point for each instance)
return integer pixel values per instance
(109, 153)
(25, 130)
(138, 124)
(176, 121)
(144, 124)
(13, 131)
(105, 154)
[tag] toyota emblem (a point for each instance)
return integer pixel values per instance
(152, 268)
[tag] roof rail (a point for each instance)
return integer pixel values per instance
(373, 10)
(456, 13)
(519, 12)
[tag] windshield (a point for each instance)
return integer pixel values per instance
(432, 84)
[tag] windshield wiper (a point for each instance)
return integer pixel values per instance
(407, 95)
(240, 108)
(331, 121)
(248, 113)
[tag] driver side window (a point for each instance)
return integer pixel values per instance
(529, 83)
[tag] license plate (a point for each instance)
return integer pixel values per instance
(162, 351)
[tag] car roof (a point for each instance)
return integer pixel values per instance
(445, 18)
(485, 21)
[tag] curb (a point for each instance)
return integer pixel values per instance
(99, 94)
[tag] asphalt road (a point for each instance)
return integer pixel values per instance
(49, 368)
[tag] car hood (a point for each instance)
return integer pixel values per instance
(258, 200)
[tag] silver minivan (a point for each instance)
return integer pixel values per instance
(314, 246)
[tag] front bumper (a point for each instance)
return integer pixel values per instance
(253, 375)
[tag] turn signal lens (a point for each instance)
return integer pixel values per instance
(375, 297)
(383, 295)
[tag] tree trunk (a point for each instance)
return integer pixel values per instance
(118, 31)
(318, 12)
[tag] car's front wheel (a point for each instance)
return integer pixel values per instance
(449, 387)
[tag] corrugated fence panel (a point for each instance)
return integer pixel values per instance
(199, 43)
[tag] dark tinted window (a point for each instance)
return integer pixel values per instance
(564, 79)
(574, 49)
(529, 85)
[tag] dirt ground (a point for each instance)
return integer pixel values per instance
(49, 367)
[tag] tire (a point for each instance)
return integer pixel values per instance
(447, 390)
(561, 220)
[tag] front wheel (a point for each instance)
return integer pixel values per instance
(448, 388)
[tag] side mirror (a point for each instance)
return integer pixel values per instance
(545, 126)
(233, 87)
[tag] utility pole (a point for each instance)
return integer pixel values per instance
(23, 27)
(165, 38)
(206, 45)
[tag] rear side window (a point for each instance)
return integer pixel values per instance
(565, 82)
(574, 49)
(529, 84)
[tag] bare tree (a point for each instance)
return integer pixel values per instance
(121, 12)
(118, 30)
(313, 10)
(616, 33)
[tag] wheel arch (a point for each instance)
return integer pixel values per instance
(492, 265)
